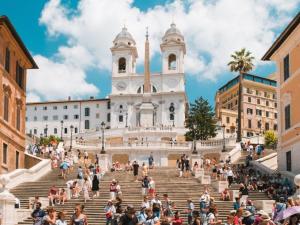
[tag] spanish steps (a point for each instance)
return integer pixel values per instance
(166, 179)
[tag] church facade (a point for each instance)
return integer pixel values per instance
(149, 100)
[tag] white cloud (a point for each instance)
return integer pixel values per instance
(212, 30)
(55, 80)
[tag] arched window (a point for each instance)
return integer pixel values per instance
(154, 89)
(172, 62)
(122, 65)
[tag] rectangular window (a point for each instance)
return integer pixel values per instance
(97, 115)
(275, 115)
(75, 106)
(249, 124)
(275, 127)
(265, 94)
(6, 107)
(258, 101)
(120, 118)
(288, 161)
(287, 116)
(65, 130)
(267, 113)
(7, 60)
(35, 131)
(45, 118)
(55, 107)
(19, 75)
(286, 68)
(267, 103)
(17, 159)
(66, 117)
(267, 126)
(249, 99)
(257, 92)
(35, 108)
(259, 124)
(87, 111)
(18, 122)
(108, 105)
(227, 119)
(4, 153)
(108, 117)
(275, 104)
(274, 96)
(76, 116)
(55, 131)
(65, 107)
(86, 124)
(55, 117)
(76, 130)
(45, 108)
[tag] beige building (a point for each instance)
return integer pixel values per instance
(259, 107)
(285, 52)
(15, 59)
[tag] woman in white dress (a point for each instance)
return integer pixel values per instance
(86, 187)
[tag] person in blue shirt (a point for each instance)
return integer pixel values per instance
(38, 214)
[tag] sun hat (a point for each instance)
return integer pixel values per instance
(265, 217)
(246, 213)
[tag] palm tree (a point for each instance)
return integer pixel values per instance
(242, 63)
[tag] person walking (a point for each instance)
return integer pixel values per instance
(110, 211)
(86, 187)
(38, 214)
(145, 186)
(135, 170)
(78, 218)
(190, 210)
(150, 161)
(95, 186)
(113, 189)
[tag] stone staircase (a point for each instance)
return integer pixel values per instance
(167, 181)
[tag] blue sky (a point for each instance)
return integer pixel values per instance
(50, 31)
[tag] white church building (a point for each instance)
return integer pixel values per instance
(146, 112)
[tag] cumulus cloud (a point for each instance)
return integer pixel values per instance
(55, 80)
(212, 31)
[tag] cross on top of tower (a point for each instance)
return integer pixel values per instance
(147, 33)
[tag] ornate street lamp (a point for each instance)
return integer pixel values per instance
(61, 129)
(102, 129)
(194, 141)
(126, 114)
(46, 130)
(71, 128)
(259, 126)
(223, 129)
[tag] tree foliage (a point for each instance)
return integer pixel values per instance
(200, 121)
(270, 139)
(49, 140)
(241, 62)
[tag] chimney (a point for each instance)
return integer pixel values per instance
(69, 98)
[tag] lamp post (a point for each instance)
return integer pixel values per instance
(224, 147)
(41, 136)
(46, 130)
(259, 126)
(126, 114)
(71, 128)
(102, 129)
(61, 129)
(173, 119)
(194, 141)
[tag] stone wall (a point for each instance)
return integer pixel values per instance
(30, 161)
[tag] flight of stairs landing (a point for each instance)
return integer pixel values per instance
(167, 181)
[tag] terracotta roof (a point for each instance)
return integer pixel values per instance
(283, 36)
(67, 101)
(6, 21)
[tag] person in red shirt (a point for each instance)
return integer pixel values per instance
(177, 220)
(53, 195)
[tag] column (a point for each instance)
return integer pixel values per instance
(7, 203)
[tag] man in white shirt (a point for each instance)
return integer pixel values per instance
(156, 206)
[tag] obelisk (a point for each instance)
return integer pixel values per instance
(147, 108)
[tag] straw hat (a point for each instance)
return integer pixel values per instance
(246, 213)
(265, 217)
(261, 212)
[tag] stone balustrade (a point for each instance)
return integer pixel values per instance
(19, 176)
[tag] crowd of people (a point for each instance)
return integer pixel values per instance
(156, 209)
